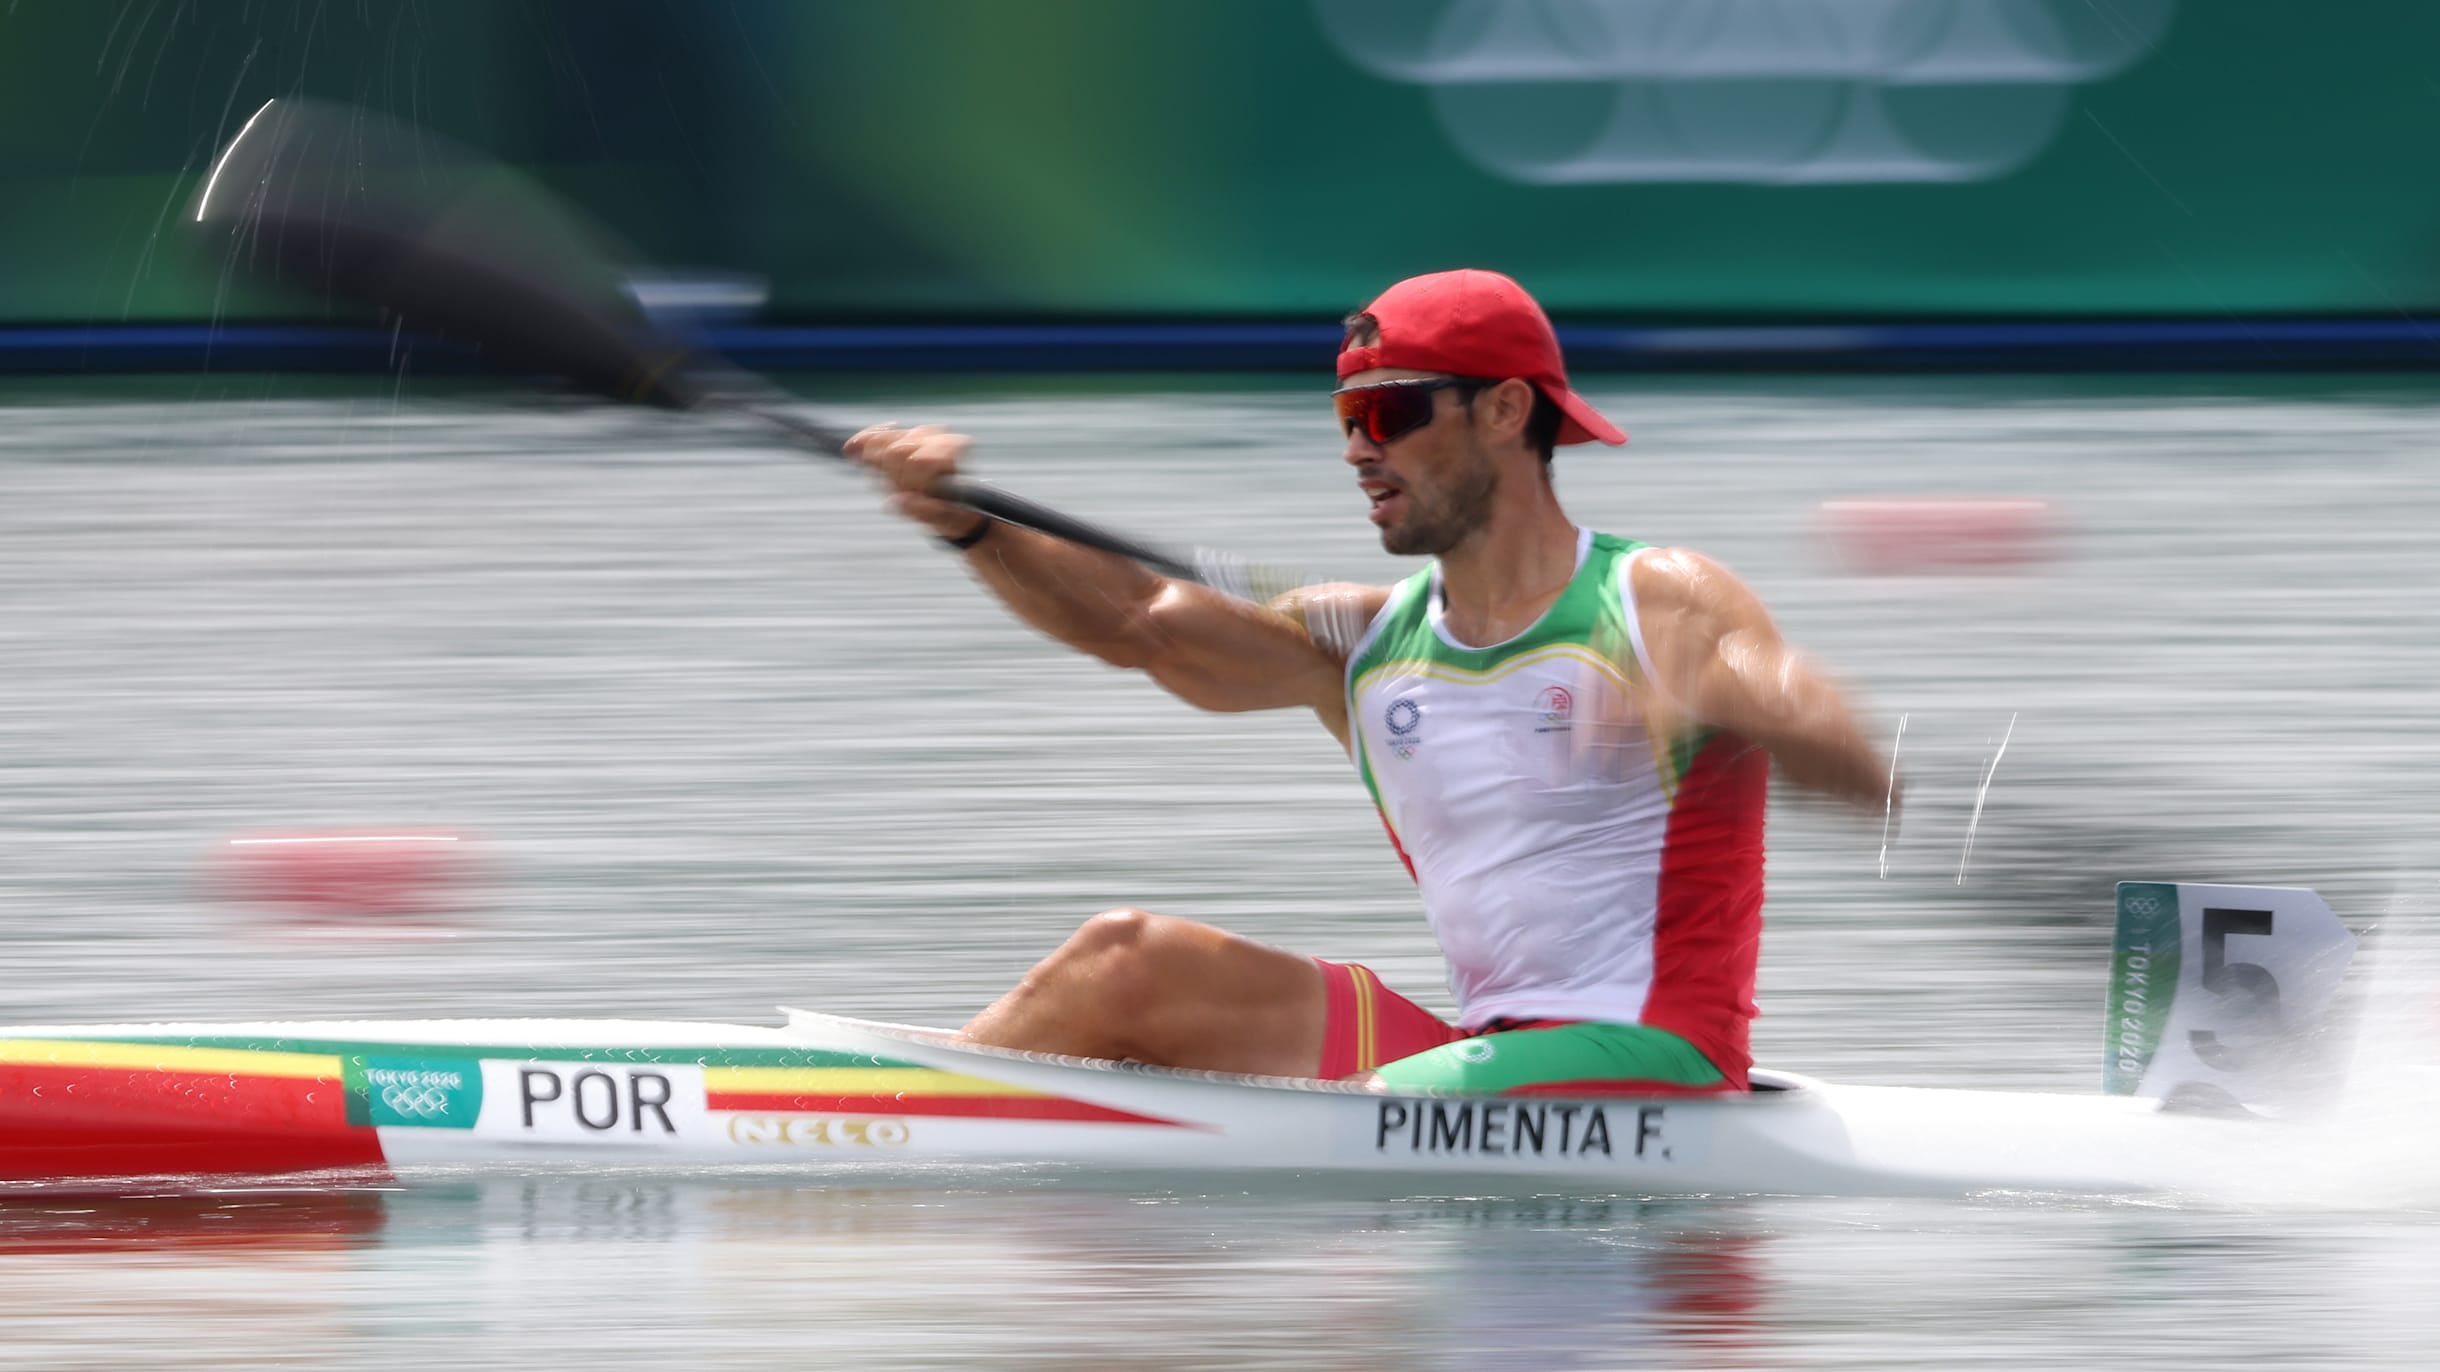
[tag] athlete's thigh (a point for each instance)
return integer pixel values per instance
(1602, 1058)
(1228, 1003)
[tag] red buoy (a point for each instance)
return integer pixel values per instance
(1900, 534)
(326, 874)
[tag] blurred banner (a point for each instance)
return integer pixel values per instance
(1062, 159)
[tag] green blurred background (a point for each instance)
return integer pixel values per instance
(1215, 159)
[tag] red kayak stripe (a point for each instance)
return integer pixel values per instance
(108, 1121)
(133, 1098)
(38, 1154)
(988, 1107)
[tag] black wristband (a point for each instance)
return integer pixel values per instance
(967, 540)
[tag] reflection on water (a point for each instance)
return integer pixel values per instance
(64, 1222)
(729, 738)
(623, 1273)
(939, 1276)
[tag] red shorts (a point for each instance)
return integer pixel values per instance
(1365, 1024)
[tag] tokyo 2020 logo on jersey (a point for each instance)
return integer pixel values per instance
(1405, 720)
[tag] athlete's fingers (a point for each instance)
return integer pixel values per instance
(885, 448)
(910, 459)
(913, 463)
(931, 457)
(866, 443)
(879, 450)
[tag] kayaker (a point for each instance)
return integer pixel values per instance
(1568, 735)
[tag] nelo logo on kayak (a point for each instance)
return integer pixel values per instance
(817, 1131)
(1518, 1128)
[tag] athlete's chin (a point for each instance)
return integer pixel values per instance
(1411, 539)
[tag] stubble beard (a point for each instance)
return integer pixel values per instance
(1452, 514)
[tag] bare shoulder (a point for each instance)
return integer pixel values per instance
(1719, 660)
(1680, 583)
(1334, 614)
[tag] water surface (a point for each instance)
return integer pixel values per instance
(727, 737)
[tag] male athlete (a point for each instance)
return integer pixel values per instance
(1568, 734)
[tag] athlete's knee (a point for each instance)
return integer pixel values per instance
(1120, 932)
(1119, 954)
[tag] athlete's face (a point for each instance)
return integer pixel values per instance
(1432, 486)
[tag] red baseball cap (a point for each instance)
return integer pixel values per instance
(1475, 323)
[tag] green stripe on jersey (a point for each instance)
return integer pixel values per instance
(1590, 614)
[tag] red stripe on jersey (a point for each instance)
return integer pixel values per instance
(1394, 843)
(1707, 934)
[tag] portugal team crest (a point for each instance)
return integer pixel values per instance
(1555, 704)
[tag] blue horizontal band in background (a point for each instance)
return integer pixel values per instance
(2102, 345)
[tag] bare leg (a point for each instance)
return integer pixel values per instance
(1128, 984)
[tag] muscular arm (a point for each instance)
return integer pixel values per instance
(1720, 659)
(1209, 649)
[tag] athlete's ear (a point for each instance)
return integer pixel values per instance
(1507, 406)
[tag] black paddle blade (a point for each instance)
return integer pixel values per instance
(354, 206)
(357, 207)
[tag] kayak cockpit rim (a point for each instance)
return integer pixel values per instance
(822, 1026)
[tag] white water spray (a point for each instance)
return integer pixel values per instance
(1889, 801)
(1981, 793)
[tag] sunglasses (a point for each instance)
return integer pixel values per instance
(1388, 410)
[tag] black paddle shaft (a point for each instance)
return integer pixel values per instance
(987, 499)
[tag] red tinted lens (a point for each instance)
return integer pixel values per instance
(1386, 411)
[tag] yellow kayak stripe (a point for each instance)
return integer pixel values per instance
(161, 1057)
(853, 1081)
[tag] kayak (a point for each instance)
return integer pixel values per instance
(408, 1098)
(405, 1097)
(823, 1093)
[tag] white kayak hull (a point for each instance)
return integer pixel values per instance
(1792, 1135)
(828, 1094)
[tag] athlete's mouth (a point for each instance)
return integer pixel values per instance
(1383, 495)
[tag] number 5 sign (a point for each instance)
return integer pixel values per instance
(2221, 995)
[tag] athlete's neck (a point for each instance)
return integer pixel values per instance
(1500, 579)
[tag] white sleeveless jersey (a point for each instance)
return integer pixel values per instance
(1573, 865)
